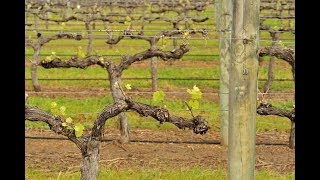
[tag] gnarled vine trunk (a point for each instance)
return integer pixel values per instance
(268, 83)
(89, 48)
(154, 74)
(267, 109)
(90, 144)
(90, 160)
(34, 76)
(292, 137)
(117, 95)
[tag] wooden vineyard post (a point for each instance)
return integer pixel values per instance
(224, 22)
(243, 89)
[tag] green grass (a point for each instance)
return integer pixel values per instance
(86, 110)
(193, 173)
(169, 71)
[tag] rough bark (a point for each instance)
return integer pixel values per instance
(36, 23)
(75, 62)
(287, 55)
(284, 53)
(90, 160)
(89, 145)
(164, 55)
(198, 124)
(292, 138)
(36, 114)
(266, 109)
(154, 74)
(43, 40)
(185, 8)
(83, 19)
(34, 76)
(275, 38)
(270, 78)
(153, 39)
(36, 46)
(47, 22)
(108, 112)
(115, 73)
(175, 22)
(124, 64)
(143, 21)
(89, 48)
(117, 95)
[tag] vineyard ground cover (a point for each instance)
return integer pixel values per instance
(46, 159)
(144, 173)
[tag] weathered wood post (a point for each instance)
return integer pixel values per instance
(243, 89)
(223, 18)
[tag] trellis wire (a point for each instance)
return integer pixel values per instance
(142, 92)
(156, 141)
(140, 78)
(107, 30)
(29, 54)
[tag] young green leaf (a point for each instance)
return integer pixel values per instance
(195, 92)
(158, 96)
(62, 26)
(185, 34)
(194, 104)
(80, 53)
(128, 86)
(69, 120)
(165, 41)
(48, 58)
(127, 20)
(78, 129)
(53, 104)
(62, 108)
(101, 59)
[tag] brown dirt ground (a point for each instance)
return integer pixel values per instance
(57, 155)
(211, 95)
(63, 155)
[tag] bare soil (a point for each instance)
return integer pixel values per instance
(272, 152)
